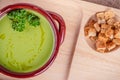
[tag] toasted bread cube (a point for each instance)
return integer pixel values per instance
(88, 26)
(109, 33)
(104, 28)
(111, 45)
(102, 37)
(86, 29)
(109, 14)
(100, 46)
(117, 24)
(92, 32)
(116, 31)
(91, 22)
(93, 38)
(101, 21)
(117, 34)
(100, 15)
(111, 21)
(116, 41)
(97, 27)
(100, 18)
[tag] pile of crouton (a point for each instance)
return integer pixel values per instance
(104, 31)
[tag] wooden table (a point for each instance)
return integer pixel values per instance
(70, 11)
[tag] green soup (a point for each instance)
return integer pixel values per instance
(28, 50)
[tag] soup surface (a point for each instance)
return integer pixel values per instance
(28, 50)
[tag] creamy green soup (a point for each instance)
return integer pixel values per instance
(28, 50)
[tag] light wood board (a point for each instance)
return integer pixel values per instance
(87, 64)
(70, 11)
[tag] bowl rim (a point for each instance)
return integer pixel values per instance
(56, 42)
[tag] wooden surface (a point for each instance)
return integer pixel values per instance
(87, 64)
(70, 11)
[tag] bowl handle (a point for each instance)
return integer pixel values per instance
(61, 23)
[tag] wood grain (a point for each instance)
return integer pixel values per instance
(71, 13)
(87, 64)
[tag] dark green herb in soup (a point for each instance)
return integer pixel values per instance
(33, 20)
(19, 17)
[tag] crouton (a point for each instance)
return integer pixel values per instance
(101, 21)
(116, 41)
(100, 46)
(110, 46)
(104, 28)
(102, 37)
(111, 21)
(93, 38)
(97, 27)
(117, 34)
(109, 33)
(86, 29)
(109, 14)
(100, 15)
(117, 25)
(92, 32)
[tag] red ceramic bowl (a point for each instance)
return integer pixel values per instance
(59, 37)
